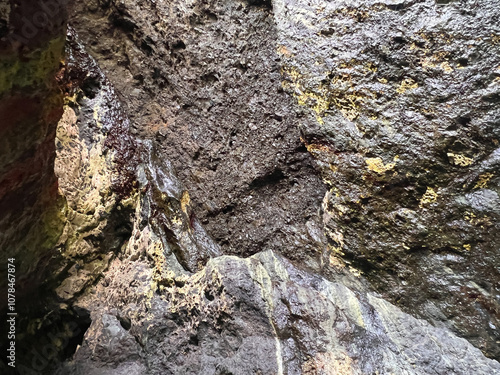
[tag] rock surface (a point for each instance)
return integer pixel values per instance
(271, 187)
(30, 107)
(404, 123)
(262, 315)
(203, 80)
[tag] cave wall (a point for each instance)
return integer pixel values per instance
(285, 187)
(396, 102)
(203, 80)
(404, 124)
(31, 51)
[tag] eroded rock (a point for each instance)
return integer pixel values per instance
(397, 104)
(403, 121)
(203, 79)
(263, 315)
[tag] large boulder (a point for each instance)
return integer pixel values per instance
(261, 315)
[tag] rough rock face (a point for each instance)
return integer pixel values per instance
(401, 114)
(203, 79)
(96, 165)
(404, 123)
(262, 315)
(30, 107)
(115, 208)
(248, 263)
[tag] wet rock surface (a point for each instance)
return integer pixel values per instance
(97, 185)
(203, 79)
(286, 187)
(262, 315)
(123, 202)
(404, 124)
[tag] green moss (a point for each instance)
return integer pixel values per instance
(34, 69)
(53, 221)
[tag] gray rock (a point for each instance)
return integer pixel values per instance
(403, 110)
(336, 210)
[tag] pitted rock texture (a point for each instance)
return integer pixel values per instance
(97, 181)
(262, 315)
(203, 79)
(404, 114)
(152, 315)
(123, 201)
(242, 99)
(96, 166)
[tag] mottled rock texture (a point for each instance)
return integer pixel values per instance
(272, 187)
(404, 123)
(96, 166)
(398, 103)
(202, 78)
(115, 208)
(261, 315)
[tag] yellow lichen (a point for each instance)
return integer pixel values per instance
(460, 160)
(407, 84)
(317, 102)
(185, 201)
(469, 216)
(483, 181)
(177, 220)
(333, 168)
(446, 67)
(439, 59)
(292, 72)
(427, 63)
(339, 93)
(348, 105)
(474, 220)
(156, 253)
(314, 148)
(377, 165)
(355, 271)
(430, 196)
(371, 67)
(467, 247)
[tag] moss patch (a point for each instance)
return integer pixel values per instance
(33, 69)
